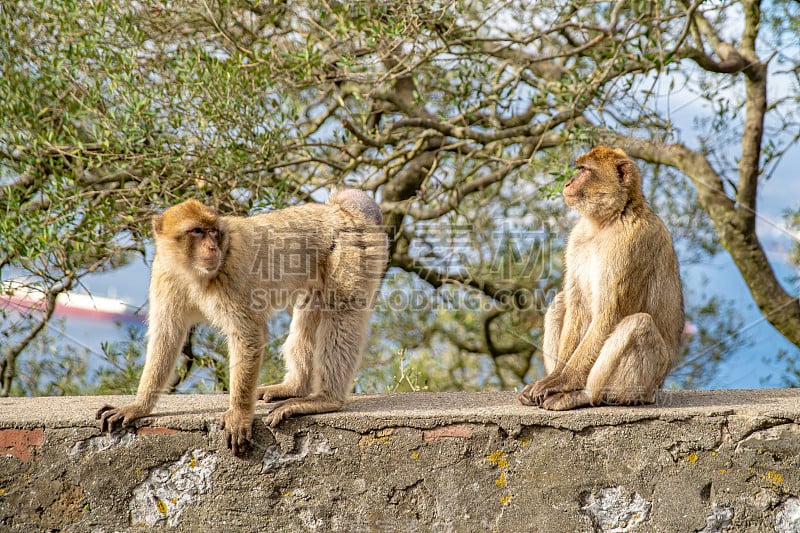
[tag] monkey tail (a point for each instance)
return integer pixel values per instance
(357, 203)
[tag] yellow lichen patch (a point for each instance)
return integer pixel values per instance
(286, 494)
(501, 481)
(722, 471)
(193, 462)
(415, 455)
(2, 491)
(524, 441)
(692, 458)
(505, 499)
(498, 459)
(774, 477)
(161, 506)
(713, 454)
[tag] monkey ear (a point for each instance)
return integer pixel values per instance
(158, 224)
(625, 171)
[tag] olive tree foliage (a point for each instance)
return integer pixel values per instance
(461, 117)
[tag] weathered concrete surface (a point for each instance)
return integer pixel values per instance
(697, 461)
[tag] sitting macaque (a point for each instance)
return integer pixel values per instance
(612, 333)
(325, 260)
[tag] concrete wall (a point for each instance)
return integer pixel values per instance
(697, 461)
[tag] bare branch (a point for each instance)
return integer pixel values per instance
(8, 369)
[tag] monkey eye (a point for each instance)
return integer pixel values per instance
(213, 233)
(197, 231)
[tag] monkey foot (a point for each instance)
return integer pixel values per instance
(274, 393)
(564, 401)
(301, 406)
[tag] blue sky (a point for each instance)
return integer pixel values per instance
(755, 366)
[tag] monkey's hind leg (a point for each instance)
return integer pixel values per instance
(632, 364)
(563, 401)
(298, 352)
(630, 368)
(339, 343)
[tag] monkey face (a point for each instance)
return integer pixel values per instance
(205, 249)
(193, 236)
(605, 181)
(591, 192)
(575, 188)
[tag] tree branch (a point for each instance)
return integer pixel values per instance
(8, 365)
(755, 110)
(779, 307)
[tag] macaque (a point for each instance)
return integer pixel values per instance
(325, 260)
(612, 333)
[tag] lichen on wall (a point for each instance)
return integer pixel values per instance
(787, 519)
(718, 520)
(102, 442)
(613, 509)
(274, 458)
(170, 489)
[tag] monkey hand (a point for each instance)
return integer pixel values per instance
(110, 416)
(238, 426)
(565, 381)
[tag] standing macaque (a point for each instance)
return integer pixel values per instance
(327, 261)
(611, 334)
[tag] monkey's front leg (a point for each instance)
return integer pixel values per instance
(166, 337)
(245, 364)
(574, 372)
(110, 416)
(553, 326)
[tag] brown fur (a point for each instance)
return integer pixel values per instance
(325, 260)
(612, 333)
